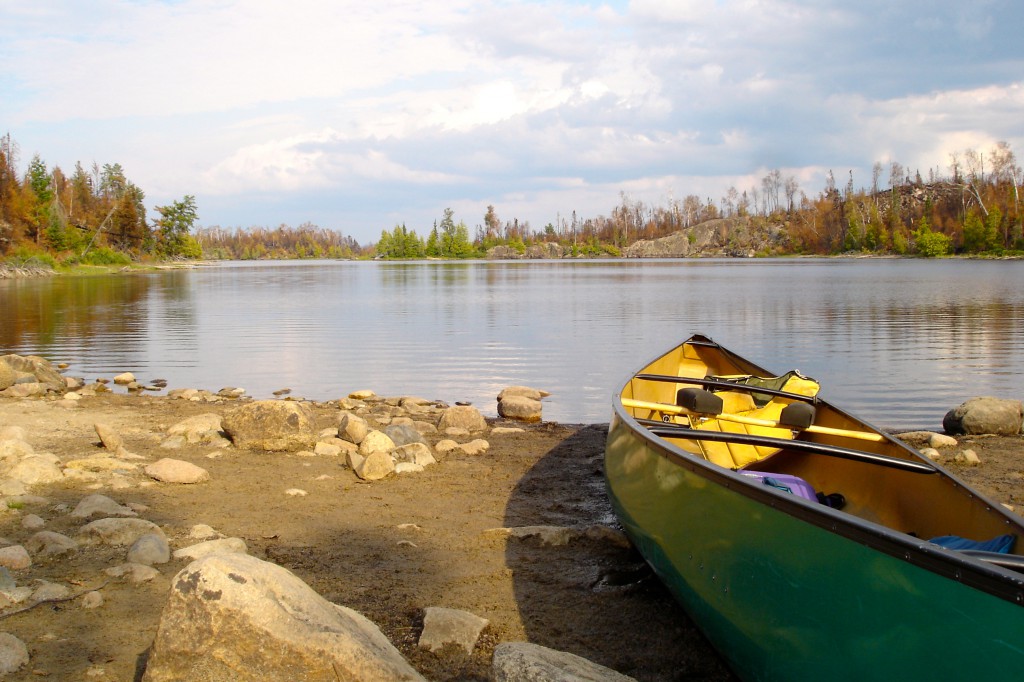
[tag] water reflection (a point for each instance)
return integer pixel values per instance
(898, 342)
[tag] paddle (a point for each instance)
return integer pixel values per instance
(665, 408)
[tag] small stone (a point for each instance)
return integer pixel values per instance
(443, 626)
(137, 573)
(48, 591)
(932, 454)
(475, 447)
(100, 505)
(124, 379)
(15, 558)
(92, 600)
(49, 543)
(446, 446)
(295, 492)
(149, 549)
(201, 531)
(32, 522)
(176, 471)
(326, 450)
(939, 440)
(110, 439)
(365, 394)
(968, 457)
(13, 654)
(116, 532)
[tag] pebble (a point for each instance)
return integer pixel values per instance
(92, 600)
(32, 522)
(296, 492)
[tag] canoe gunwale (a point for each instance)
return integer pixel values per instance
(973, 572)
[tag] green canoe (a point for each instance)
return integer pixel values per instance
(805, 543)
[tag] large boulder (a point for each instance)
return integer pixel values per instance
(7, 375)
(462, 417)
(38, 367)
(520, 408)
(985, 416)
(271, 425)
(235, 617)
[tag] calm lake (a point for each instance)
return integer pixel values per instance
(898, 342)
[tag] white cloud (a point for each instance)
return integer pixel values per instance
(336, 109)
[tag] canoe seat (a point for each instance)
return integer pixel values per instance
(735, 455)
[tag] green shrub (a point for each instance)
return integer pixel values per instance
(24, 256)
(104, 255)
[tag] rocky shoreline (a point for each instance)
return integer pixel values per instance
(186, 535)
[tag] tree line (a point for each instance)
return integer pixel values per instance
(971, 206)
(91, 216)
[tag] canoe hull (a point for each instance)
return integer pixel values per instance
(786, 589)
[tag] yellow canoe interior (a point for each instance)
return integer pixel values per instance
(924, 505)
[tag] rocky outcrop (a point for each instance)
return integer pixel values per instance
(985, 416)
(235, 617)
(723, 237)
(32, 375)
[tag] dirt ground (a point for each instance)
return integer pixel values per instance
(388, 549)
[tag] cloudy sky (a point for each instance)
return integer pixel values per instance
(360, 115)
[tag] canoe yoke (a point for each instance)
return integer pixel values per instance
(749, 413)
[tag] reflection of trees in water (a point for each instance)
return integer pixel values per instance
(593, 598)
(97, 320)
(40, 312)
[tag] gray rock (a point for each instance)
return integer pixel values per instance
(47, 591)
(116, 532)
(985, 416)
(404, 434)
(32, 522)
(271, 425)
(462, 417)
(13, 654)
(6, 580)
(99, 505)
(525, 662)
(168, 470)
(150, 549)
(443, 626)
(234, 617)
(49, 543)
(414, 453)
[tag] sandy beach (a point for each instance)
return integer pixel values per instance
(388, 548)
